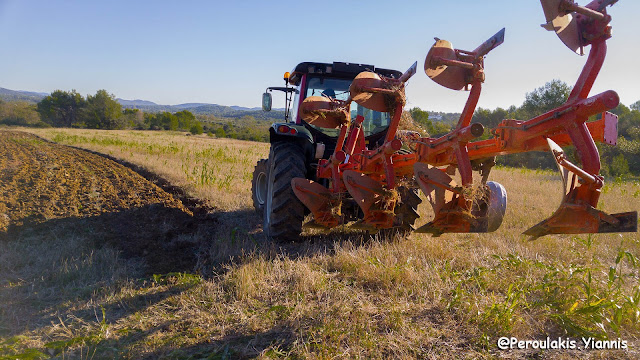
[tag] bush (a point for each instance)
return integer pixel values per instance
(196, 129)
(619, 166)
(220, 132)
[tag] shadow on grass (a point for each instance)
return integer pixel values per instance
(226, 237)
(50, 268)
(277, 342)
(165, 238)
(238, 236)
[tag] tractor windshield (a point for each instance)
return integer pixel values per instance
(374, 121)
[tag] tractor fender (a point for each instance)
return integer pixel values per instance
(301, 136)
(300, 132)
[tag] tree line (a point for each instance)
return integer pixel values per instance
(99, 111)
(102, 111)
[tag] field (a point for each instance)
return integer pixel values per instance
(98, 262)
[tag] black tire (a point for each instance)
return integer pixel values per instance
(259, 185)
(283, 212)
(407, 210)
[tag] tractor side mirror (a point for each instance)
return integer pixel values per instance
(266, 101)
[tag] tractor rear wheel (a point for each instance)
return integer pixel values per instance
(259, 185)
(283, 212)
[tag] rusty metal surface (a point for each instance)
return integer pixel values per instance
(451, 77)
(371, 91)
(376, 202)
(563, 23)
(323, 112)
(318, 199)
(577, 213)
(435, 184)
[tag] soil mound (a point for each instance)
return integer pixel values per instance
(45, 187)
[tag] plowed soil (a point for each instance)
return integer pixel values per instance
(47, 187)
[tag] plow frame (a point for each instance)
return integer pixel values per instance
(370, 176)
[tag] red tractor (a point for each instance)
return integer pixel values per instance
(301, 144)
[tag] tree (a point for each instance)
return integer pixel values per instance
(61, 108)
(420, 116)
(220, 133)
(635, 105)
(103, 111)
(186, 120)
(434, 128)
(134, 119)
(196, 128)
(545, 98)
(619, 166)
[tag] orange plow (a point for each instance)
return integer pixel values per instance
(369, 172)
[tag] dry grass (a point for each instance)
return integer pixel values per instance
(343, 295)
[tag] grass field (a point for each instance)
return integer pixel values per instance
(337, 295)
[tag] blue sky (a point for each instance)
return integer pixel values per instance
(228, 52)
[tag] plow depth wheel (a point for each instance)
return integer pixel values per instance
(283, 212)
(488, 211)
(496, 205)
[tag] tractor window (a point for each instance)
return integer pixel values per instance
(374, 121)
(293, 115)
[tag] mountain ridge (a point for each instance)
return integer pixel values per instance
(32, 96)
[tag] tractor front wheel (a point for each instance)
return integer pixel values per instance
(283, 212)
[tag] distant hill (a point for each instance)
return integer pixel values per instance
(234, 112)
(248, 109)
(149, 106)
(136, 102)
(447, 118)
(18, 95)
(206, 109)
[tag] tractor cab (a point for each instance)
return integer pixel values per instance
(331, 81)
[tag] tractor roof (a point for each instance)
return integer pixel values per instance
(337, 69)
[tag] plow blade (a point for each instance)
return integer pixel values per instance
(577, 214)
(584, 219)
(319, 200)
(376, 202)
(453, 212)
(439, 187)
